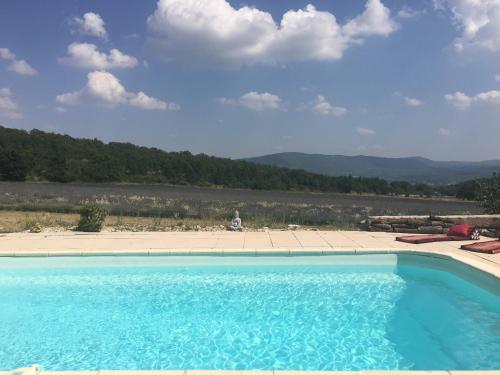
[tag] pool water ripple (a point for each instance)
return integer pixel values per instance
(300, 317)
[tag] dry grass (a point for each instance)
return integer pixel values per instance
(17, 221)
(20, 221)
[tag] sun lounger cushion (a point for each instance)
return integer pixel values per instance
(488, 247)
(464, 230)
(430, 238)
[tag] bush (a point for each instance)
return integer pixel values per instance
(92, 218)
(490, 195)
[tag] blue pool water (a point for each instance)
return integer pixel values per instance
(300, 313)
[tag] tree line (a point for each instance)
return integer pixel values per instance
(42, 156)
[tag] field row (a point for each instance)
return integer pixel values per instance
(215, 206)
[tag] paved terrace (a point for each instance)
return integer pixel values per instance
(227, 243)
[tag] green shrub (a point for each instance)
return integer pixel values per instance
(92, 218)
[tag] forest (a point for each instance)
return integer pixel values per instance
(41, 156)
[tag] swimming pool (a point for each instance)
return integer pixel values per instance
(392, 312)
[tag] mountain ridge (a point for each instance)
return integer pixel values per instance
(415, 169)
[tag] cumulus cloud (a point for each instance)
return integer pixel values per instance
(413, 102)
(143, 101)
(87, 56)
(462, 101)
(375, 20)
(105, 88)
(478, 21)
(321, 106)
(365, 131)
(255, 101)
(407, 12)
(213, 31)
(444, 132)
(459, 100)
(8, 106)
(17, 65)
(91, 24)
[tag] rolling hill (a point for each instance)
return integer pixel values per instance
(412, 169)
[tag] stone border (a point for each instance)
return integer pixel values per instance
(489, 225)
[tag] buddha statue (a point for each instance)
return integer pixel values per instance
(235, 223)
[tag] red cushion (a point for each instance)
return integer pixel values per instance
(424, 238)
(488, 247)
(464, 230)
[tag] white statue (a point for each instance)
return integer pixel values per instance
(235, 223)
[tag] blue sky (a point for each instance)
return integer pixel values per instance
(378, 77)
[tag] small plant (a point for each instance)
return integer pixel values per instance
(92, 218)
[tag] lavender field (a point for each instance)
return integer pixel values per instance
(182, 202)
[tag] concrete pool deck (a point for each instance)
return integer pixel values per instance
(247, 243)
(227, 243)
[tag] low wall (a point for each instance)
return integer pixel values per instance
(489, 224)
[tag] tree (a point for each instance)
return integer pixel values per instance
(468, 190)
(12, 165)
(489, 195)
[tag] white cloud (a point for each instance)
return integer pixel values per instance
(91, 24)
(365, 131)
(70, 98)
(413, 102)
(375, 20)
(444, 132)
(6, 54)
(105, 88)
(87, 56)
(463, 101)
(321, 106)
(143, 101)
(17, 65)
(255, 101)
(459, 100)
(8, 106)
(60, 109)
(497, 78)
(22, 67)
(213, 31)
(407, 12)
(173, 107)
(478, 20)
(491, 97)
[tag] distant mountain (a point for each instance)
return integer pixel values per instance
(412, 169)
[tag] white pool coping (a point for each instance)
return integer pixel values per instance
(281, 243)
